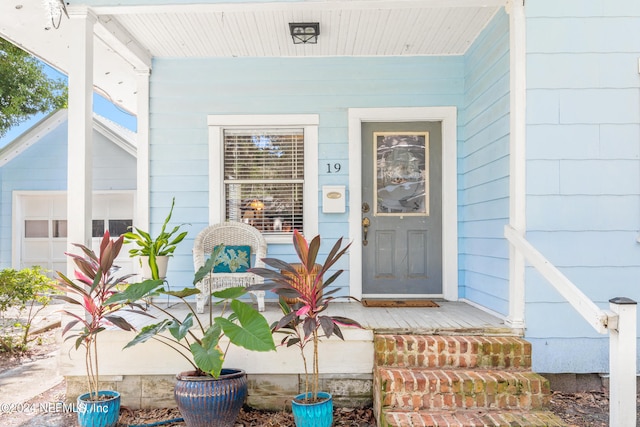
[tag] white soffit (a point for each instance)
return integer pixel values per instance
(347, 28)
(128, 37)
(24, 23)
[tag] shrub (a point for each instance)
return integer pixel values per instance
(23, 294)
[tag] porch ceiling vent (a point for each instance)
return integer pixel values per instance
(304, 32)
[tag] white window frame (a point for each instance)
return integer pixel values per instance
(309, 122)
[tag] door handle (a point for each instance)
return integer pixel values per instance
(365, 229)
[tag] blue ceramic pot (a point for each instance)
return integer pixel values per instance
(318, 414)
(99, 413)
(211, 402)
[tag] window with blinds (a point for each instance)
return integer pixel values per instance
(264, 178)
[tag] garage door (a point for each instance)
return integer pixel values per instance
(42, 225)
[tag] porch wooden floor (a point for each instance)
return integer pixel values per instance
(448, 318)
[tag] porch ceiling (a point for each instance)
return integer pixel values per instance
(128, 37)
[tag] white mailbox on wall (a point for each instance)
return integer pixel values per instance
(334, 199)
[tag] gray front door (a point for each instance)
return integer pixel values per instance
(401, 209)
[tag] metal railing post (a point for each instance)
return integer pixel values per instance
(622, 364)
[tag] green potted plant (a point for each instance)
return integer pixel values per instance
(304, 319)
(208, 394)
(154, 253)
(96, 284)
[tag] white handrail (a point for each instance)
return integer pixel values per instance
(599, 319)
(619, 322)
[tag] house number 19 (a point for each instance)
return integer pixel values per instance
(335, 168)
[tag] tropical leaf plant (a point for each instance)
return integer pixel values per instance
(304, 319)
(95, 283)
(197, 342)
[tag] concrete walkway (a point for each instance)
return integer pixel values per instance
(24, 382)
(20, 384)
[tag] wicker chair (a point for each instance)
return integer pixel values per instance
(228, 234)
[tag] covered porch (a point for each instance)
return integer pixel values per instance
(460, 64)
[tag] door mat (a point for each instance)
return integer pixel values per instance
(399, 303)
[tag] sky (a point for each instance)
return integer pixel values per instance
(101, 106)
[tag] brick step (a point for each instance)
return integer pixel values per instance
(471, 419)
(416, 389)
(438, 351)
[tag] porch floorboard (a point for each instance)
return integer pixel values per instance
(449, 318)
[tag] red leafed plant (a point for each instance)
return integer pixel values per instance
(304, 320)
(96, 283)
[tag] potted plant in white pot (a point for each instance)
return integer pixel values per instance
(154, 253)
(96, 283)
(208, 394)
(304, 320)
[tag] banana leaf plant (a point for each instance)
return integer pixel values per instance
(304, 321)
(95, 284)
(164, 244)
(197, 342)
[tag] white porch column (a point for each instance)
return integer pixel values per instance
(79, 168)
(517, 159)
(141, 219)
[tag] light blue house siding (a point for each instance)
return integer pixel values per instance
(43, 167)
(185, 92)
(483, 169)
(583, 169)
(583, 138)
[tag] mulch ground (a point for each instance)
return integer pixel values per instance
(358, 417)
(587, 409)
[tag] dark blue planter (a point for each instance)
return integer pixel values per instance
(209, 402)
(100, 413)
(313, 414)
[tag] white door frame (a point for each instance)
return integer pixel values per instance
(448, 117)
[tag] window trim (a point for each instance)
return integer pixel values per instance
(309, 122)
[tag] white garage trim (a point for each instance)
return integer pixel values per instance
(107, 205)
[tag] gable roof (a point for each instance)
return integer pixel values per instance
(116, 133)
(122, 137)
